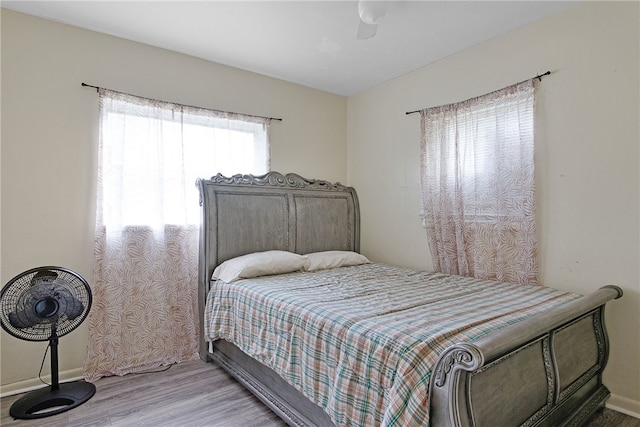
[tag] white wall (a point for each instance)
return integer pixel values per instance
(587, 159)
(49, 141)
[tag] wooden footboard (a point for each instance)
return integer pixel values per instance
(546, 371)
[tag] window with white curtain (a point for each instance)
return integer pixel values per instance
(478, 189)
(147, 214)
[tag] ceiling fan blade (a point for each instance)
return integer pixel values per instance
(366, 31)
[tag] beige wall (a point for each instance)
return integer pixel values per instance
(587, 159)
(49, 140)
(587, 151)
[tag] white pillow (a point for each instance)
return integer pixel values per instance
(332, 259)
(258, 264)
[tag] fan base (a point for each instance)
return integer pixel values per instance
(46, 402)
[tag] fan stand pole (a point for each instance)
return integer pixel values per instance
(55, 399)
(55, 379)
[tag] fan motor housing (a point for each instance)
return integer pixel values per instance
(47, 307)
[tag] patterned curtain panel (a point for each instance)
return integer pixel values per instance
(478, 188)
(147, 225)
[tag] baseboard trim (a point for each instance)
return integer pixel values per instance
(624, 405)
(35, 383)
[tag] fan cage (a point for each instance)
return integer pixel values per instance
(16, 293)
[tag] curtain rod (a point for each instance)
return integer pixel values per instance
(97, 88)
(539, 77)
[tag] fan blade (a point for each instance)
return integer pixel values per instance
(366, 31)
(21, 320)
(44, 275)
(70, 306)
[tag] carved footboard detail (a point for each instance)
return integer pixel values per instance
(445, 394)
(545, 371)
(464, 356)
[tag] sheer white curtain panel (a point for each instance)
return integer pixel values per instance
(478, 189)
(147, 224)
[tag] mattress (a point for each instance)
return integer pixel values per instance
(361, 341)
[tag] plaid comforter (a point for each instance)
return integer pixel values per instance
(361, 341)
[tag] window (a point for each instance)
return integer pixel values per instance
(491, 142)
(152, 153)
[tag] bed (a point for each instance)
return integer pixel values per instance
(540, 369)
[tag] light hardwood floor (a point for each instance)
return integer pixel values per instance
(188, 394)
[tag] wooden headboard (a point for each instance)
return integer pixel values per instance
(246, 213)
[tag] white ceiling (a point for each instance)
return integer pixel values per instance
(312, 43)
